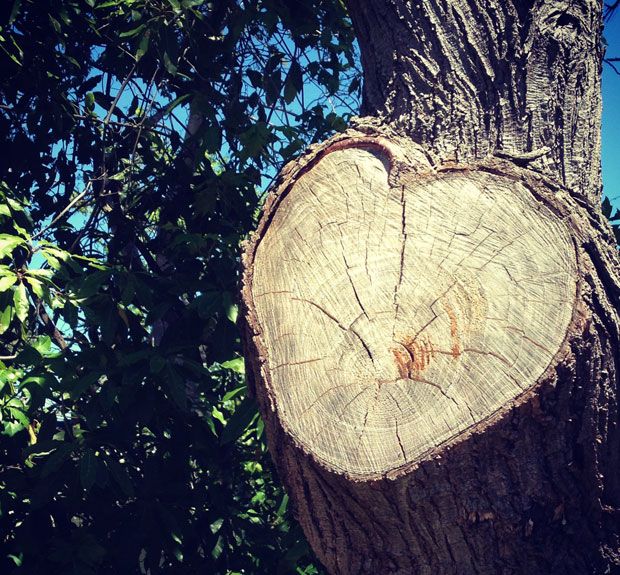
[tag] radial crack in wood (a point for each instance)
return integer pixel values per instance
(395, 315)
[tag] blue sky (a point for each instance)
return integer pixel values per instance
(611, 115)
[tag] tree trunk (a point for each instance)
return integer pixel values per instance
(431, 302)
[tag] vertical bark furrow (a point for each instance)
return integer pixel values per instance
(470, 78)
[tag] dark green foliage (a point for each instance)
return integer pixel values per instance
(138, 138)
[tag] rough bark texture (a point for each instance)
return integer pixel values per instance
(469, 78)
(534, 487)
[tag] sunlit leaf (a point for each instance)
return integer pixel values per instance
(21, 303)
(6, 281)
(245, 412)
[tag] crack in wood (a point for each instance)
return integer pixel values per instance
(356, 270)
(403, 245)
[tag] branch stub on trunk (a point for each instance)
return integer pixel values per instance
(396, 305)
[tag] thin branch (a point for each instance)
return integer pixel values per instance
(141, 125)
(119, 94)
(50, 326)
(610, 9)
(610, 63)
(64, 211)
(84, 229)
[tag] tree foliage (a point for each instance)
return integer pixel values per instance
(139, 136)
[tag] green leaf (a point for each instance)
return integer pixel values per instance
(213, 138)
(254, 139)
(15, 205)
(289, 92)
(294, 82)
(134, 357)
(88, 469)
(355, 85)
(216, 525)
(295, 553)
(89, 101)
(43, 344)
(210, 423)
(143, 46)
(215, 412)
(17, 559)
(177, 102)
(37, 287)
(176, 387)
(121, 476)
(218, 547)
(53, 261)
(170, 66)
(89, 552)
(19, 415)
(232, 313)
(157, 363)
(296, 76)
(256, 78)
(120, 176)
(11, 428)
(84, 383)
(21, 303)
(6, 281)
(14, 13)
(92, 283)
(56, 459)
(244, 414)
(129, 291)
(237, 365)
(336, 122)
(132, 32)
(260, 427)
(234, 393)
(42, 273)
(55, 23)
(8, 243)
(283, 506)
(6, 317)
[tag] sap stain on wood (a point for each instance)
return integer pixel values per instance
(416, 357)
(413, 356)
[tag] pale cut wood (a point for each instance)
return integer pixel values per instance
(397, 313)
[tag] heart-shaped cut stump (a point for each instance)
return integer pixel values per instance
(395, 315)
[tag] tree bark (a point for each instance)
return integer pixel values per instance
(430, 302)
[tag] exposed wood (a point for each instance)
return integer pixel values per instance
(427, 305)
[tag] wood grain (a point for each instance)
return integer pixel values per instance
(397, 313)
